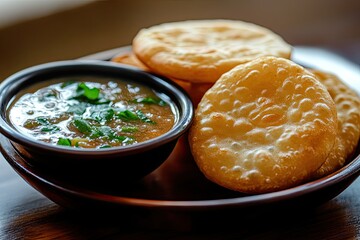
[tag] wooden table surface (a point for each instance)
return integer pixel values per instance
(26, 214)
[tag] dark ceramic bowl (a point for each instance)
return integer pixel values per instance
(118, 164)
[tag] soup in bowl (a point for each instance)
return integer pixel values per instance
(86, 119)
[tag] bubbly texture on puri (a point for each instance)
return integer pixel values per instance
(264, 126)
(348, 112)
(202, 50)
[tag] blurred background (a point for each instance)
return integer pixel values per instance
(38, 31)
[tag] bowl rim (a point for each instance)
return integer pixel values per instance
(181, 99)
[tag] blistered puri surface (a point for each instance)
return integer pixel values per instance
(263, 126)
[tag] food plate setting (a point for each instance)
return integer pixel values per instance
(184, 168)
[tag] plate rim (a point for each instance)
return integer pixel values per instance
(242, 201)
(351, 169)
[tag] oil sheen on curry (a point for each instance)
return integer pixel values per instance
(91, 112)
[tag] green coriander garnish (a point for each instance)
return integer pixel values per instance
(105, 146)
(42, 121)
(82, 125)
(150, 100)
(127, 115)
(87, 92)
(103, 114)
(78, 108)
(129, 129)
(50, 128)
(84, 93)
(64, 142)
(45, 124)
(143, 117)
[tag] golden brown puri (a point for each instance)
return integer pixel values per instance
(265, 125)
(129, 58)
(347, 104)
(200, 51)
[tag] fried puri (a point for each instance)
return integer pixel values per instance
(200, 51)
(347, 104)
(265, 125)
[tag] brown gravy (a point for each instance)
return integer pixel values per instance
(91, 112)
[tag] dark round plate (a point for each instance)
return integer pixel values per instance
(178, 184)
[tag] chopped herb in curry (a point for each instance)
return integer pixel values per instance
(84, 112)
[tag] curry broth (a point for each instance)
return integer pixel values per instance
(91, 112)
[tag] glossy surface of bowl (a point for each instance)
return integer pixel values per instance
(116, 164)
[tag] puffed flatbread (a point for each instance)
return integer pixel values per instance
(201, 51)
(348, 113)
(129, 58)
(264, 126)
